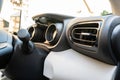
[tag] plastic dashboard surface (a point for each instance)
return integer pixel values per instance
(90, 36)
(69, 38)
(93, 37)
(50, 31)
(71, 65)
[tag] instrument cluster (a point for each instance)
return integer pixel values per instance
(46, 34)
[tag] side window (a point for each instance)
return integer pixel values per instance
(4, 24)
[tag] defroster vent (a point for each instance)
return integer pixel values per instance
(85, 33)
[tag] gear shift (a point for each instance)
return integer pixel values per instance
(27, 62)
(24, 36)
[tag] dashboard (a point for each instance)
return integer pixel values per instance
(76, 43)
(49, 31)
(91, 36)
(92, 50)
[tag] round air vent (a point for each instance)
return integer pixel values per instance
(37, 33)
(53, 33)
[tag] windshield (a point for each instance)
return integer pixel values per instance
(19, 12)
(70, 7)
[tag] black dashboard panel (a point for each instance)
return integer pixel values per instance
(92, 37)
(50, 18)
(49, 31)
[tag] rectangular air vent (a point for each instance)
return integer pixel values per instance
(85, 34)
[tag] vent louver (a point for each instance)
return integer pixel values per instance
(85, 34)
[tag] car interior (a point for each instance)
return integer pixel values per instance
(63, 47)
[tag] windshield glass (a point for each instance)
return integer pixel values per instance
(79, 8)
(18, 13)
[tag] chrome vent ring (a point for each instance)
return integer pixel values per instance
(85, 33)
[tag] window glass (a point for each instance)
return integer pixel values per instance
(18, 13)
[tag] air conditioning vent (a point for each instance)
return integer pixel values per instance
(85, 34)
